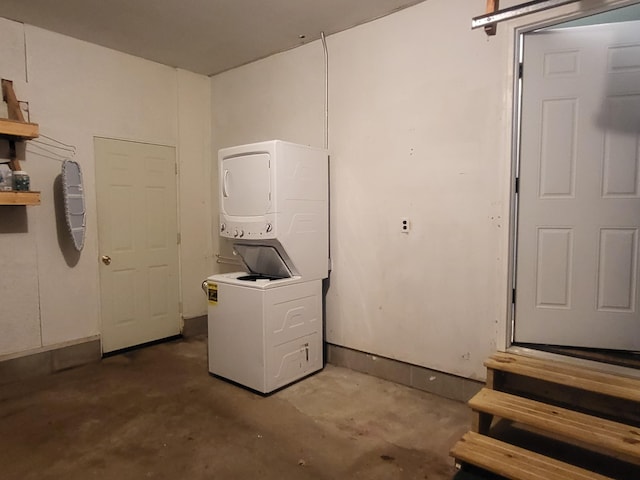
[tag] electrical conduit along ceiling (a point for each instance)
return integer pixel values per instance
(203, 36)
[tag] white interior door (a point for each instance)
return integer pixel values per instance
(137, 231)
(579, 188)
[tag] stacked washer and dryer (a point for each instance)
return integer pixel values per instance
(265, 323)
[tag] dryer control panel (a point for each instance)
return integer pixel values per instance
(248, 230)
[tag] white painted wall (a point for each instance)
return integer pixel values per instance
(77, 91)
(420, 127)
(414, 112)
(195, 161)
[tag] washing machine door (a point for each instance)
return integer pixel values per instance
(263, 260)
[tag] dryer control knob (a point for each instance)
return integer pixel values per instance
(269, 227)
(235, 233)
(241, 233)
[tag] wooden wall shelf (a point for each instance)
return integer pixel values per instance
(19, 198)
(15, 130)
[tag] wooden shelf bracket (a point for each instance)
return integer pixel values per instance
(15, 128)
(9, 96)
(492, 7)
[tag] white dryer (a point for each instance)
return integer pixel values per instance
(265, 323)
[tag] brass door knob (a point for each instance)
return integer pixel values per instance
(106, 259)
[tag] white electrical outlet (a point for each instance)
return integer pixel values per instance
(405, 225)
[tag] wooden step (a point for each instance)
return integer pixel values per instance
(616, 439)
(561, 373)
(514, 462)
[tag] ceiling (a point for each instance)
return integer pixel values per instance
(203, 36)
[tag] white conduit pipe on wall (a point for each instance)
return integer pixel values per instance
(326, 120)
(326, 91)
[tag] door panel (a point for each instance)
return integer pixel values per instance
(558, 156)
(621, 158)
(579, 184)
(617, 269)
(555, 259)
(137, 229)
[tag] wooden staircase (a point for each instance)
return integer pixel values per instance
(593, 412)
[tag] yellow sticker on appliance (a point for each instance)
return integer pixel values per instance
(212, 289)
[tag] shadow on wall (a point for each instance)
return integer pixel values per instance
(65, 242)
(13, 219)
(620, 109)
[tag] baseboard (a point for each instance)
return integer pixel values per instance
(428, 380)
(50, 359)
(195, 326)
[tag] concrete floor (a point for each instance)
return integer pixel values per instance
(156, 413)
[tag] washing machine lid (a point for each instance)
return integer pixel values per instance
(263, 260)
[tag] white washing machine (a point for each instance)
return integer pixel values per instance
(264, 334)
(265, 324)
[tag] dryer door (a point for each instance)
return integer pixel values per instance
(245, 185)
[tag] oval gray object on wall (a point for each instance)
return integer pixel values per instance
(74, 207)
